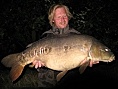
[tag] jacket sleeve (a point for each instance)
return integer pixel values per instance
(74, 31)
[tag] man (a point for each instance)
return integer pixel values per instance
(59, 16)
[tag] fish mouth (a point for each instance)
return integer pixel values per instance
(111, 58)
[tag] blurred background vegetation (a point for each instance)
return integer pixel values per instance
(23, 21)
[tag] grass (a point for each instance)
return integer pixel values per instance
(29, 78)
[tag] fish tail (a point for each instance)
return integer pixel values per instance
(10, 60)
(16, 71)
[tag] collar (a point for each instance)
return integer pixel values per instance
(60, 30)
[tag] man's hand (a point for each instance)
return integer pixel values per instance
(38, 64)
(91, 62)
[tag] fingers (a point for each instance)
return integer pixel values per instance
(93, 62)
(37, 64)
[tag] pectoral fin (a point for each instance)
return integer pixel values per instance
(60, 75)
(84, 66)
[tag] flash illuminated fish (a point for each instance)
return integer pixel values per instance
(61, 53)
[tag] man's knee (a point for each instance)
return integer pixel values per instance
(47, 77)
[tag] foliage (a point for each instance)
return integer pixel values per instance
(23, 21)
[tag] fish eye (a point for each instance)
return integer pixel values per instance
(106, 49)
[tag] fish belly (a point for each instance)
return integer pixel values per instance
(65, 61)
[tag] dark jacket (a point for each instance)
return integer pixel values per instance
(56, 31)
(47, 77)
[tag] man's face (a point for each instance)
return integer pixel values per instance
(60, 18)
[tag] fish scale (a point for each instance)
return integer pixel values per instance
(61, 53)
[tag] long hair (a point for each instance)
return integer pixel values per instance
(52, 11)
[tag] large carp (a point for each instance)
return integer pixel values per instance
(61, 53)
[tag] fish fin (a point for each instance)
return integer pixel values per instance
(84, 66)
(16, 71)
(9, 60)
(29, 45)
(31, 65)
(60, 75)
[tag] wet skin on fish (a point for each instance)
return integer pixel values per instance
(61, 53)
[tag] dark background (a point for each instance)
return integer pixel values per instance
(23, 21)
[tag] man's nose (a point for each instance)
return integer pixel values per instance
(62, 18)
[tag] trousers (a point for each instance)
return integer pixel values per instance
(47, 77)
